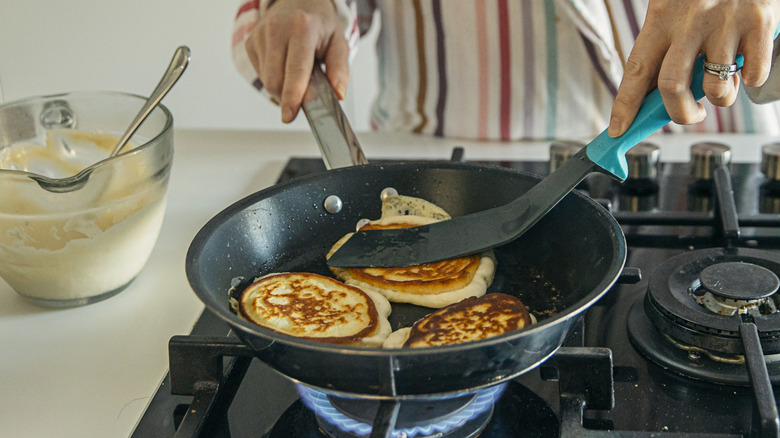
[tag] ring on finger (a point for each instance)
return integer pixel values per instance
(722, 71)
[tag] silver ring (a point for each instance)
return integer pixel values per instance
(722, 71)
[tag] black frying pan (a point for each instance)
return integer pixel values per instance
(558, 269)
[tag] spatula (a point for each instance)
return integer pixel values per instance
(486, 229)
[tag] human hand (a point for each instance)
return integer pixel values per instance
(674, 33)
(283, 46)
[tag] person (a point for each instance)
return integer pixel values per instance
(507, 70)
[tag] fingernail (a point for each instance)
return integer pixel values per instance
(614, 127)
(287, 115)
(341, 90)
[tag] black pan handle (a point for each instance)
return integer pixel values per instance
(338, 143)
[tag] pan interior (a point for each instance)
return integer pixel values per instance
(567, 259)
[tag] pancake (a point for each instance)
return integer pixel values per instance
(399, 205)
(316, 307)
(431, 285)
(469, 320)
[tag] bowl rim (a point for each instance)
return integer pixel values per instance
(75, 180)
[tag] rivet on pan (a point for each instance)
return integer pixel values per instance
(388, 191)
(333, 204)
(361, 223)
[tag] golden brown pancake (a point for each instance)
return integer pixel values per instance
(469, 320)
(316, 307)
(431, 285)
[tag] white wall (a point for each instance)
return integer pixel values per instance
(58, 46)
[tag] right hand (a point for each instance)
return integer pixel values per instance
(283, 46)
(673, 34)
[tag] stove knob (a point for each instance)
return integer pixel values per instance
(562, 150)
(706, 157)
(643, 161)
(770, 161)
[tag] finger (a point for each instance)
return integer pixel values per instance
(297, 72)
(639, 75)
(674, 83)
(273, 53)
(721, 49)
(337, 64)
(757, 47)
(252, 52)
(728, 90)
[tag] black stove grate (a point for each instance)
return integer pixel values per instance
(597, 385)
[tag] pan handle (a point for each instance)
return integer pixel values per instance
(338, 144)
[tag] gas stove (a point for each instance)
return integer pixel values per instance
(687, 343)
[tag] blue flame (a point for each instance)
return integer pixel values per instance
(317, 401)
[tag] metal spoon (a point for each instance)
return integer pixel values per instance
(178, 63)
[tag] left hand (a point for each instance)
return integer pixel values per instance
(674, 33)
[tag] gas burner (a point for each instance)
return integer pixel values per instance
(462, 416)
(690, 316)
(731, 288)
(518, 412)
(673, 307)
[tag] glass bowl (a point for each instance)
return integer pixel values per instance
(76, 226)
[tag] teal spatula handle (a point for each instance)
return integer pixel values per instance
(610, 153)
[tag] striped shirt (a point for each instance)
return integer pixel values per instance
(503, 69)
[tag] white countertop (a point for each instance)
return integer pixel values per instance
(91, 371)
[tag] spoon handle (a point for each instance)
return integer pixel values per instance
(178, 63)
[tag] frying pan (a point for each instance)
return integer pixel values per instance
(559, 268)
